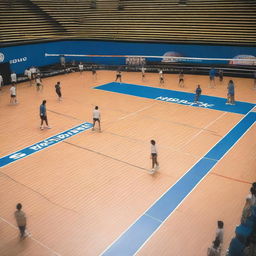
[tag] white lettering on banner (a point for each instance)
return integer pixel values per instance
(14, 61)
(35, 147)
(17, 155)
(43, 144)
(1, 57)
(180, 101)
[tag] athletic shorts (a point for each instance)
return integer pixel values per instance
(181, 80)
(154, 154)
(211, 77)
(43, 118)
(58, 93)
(38, 84)
(96, 119)
(94, 72)
(13, 96)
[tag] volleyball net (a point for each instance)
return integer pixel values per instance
(241, 64)
(142, 59)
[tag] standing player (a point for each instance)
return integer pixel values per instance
(181, 79)
(231, 93)
(21, 221)
(155, 163)
(96, 117)
(13, 78)
(119, 76)
(94, 74)
(43, 115)
(33, 73)
(13, 99)
(58, 90)
(39, 84)
(161, 76)
(81, 67)
(212, 74)
(143, 70)
(27, 73)
(1, 82)
(198, 93)
(221, 75)
(254, 83)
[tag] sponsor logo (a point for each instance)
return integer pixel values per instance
(44, 144)
(14, 61)
(185, 102)
(1, 57)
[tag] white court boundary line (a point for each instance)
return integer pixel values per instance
(34, 239)
(202, 130)
(174, 185)
(192, 190)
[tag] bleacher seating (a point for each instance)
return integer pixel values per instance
(22, 21)
(210, 21)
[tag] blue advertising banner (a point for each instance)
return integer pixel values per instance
(25, 56)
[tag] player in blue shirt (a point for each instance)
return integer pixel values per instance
(198, 93)
(43, 115)
(231, 93)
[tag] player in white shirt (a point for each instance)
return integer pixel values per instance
(39, 84)
(1, 82)
(155, 163)
(28, 74)
(13, 99)
(96, 117)
(13, 78)
(161, 76)
(33, 72)
(81, 67)
(143, 70)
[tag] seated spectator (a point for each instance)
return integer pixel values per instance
(220, 232)
(246, 211)
(215, 249)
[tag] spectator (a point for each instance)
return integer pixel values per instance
(214, 250)
(246, 211)
(220, 231)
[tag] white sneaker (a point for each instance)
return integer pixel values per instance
(41, 127)
(48, 127)
(152, 171)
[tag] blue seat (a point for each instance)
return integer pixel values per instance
(243, 232)
(236, 248)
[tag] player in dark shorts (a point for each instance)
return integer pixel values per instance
(39, 84)
(198, 93)
(58, 90)
(96, 117)
(155, 164)
(221, 75)
(94, 74)
(43, 115)
(119, 76)
(181, 79)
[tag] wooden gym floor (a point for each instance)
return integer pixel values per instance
(81, 194)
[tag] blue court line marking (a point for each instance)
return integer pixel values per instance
(184, 98)
(44, 144)
(132, 239)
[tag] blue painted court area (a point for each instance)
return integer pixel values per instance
(177, 97)
(44, 144)
(143, 228)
